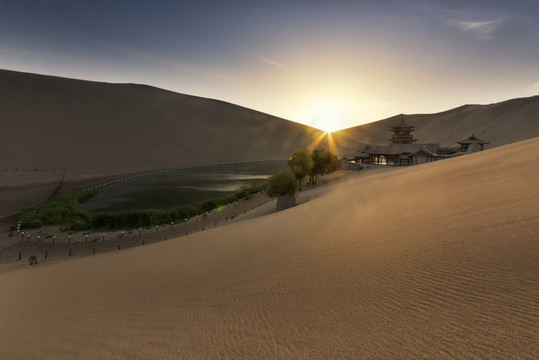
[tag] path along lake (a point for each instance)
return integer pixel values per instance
(176, 187)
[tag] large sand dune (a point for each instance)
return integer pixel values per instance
(437, 261)
(92, 127)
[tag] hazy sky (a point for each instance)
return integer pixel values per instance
(345, 62)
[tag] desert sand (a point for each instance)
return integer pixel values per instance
(91, 127)
(436, 261)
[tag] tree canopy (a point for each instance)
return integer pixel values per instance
(324, 162)
(301, 164)
(282, 184)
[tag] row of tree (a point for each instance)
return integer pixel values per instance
(312, 163)
(302, 163)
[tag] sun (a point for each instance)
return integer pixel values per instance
(328, 117)
(328, 121)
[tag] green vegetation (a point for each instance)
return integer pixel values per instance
(301, 164)
(60, 210)
(324, 162)
(313, 163)
(282, 184)
(65, 210)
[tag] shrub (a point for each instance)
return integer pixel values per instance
(282, 184)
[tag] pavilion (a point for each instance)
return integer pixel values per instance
(402, 149)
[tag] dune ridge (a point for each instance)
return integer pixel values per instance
(439, 260)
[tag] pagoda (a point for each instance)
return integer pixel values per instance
(402, 133)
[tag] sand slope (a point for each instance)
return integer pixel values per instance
(437, 261)
(92, 127)
(501, 123)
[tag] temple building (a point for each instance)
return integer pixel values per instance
(403, 150)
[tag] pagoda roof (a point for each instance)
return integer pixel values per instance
(402, 124)
(472, 139)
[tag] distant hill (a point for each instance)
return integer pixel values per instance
(92, 127)
(501, 123)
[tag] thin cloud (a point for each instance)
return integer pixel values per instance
(479, 23)
(274, 63)
(480, 29)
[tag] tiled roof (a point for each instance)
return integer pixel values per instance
(472, 139)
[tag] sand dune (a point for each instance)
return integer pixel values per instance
(436, 261)
(100, 129)
(501, 123)
(92, 127)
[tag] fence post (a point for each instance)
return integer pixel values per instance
(46, 253)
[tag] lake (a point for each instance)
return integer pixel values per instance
(164, 190)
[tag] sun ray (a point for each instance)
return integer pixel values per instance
(317, 140)
(332, 145)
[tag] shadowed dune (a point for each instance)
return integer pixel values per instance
(92, 127)
(435, 261)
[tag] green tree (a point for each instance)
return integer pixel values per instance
(324, 162)
(301, 164)
(282, 184)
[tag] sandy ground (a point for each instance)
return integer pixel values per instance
(437, 261)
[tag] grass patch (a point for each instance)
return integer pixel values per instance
(60, 210)
(65, 210)
(151, 217)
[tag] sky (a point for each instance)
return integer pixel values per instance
(327, 63)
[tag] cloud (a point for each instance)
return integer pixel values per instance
(480, 29)
(480, 23)
(274, 63)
